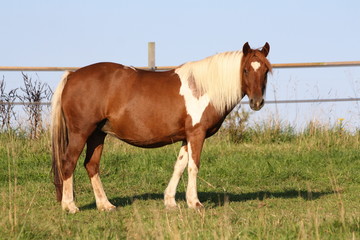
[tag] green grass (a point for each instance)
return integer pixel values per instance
(306, 186)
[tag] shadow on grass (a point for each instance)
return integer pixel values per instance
(219, 198)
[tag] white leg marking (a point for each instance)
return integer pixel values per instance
(67, 202)
(255, 65)
(180, 165)
(194, 106)
(102, 203)
(191, 191)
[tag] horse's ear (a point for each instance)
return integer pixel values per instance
(246, 48)
(266, 49)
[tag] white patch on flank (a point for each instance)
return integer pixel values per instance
(255, 65)
(195, 107)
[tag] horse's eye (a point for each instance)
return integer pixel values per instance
(246, 71)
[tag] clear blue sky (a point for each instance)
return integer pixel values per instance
(78, 33)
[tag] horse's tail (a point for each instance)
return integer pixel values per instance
(59, 138)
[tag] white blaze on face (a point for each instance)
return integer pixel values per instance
(195, 107)
(255, 65)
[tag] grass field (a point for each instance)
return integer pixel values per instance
(302, 186)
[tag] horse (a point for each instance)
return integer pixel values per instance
(149, 109)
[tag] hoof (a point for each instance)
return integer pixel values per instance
(199, 205)
(70, 207)
(195, 205)
(170, 203)
(74, 210)
(106, 207)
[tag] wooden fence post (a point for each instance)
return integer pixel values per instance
(151, 56)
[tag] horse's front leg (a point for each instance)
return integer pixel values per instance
(180, 165)
(195, 145)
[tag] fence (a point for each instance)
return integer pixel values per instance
(163, 68)
(153, 67)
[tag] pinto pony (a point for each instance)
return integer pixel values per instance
(149, 109)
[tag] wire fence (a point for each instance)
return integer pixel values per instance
(242, 102)
(164, 68)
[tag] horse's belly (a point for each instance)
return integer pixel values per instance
(141, 135)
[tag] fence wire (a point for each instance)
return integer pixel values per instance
(276, 65)
(242, 102)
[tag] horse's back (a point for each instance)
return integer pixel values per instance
(97, 78)
(110, 85)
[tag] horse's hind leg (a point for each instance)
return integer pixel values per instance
(73, 151)
(180, 165)
(92, 162)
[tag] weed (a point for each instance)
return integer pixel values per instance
(34, 92)
(6, 107)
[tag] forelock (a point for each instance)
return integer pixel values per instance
(259, 57)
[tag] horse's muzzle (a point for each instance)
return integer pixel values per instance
(256, 104)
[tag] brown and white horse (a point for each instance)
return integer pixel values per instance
(149, 109)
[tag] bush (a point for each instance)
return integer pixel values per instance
(6, 106)
(34, 93)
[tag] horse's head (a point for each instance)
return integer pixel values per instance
(254, 71)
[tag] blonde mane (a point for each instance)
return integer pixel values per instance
(217, 76)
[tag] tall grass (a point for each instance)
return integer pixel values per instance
(239, 130)
(273, 183)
